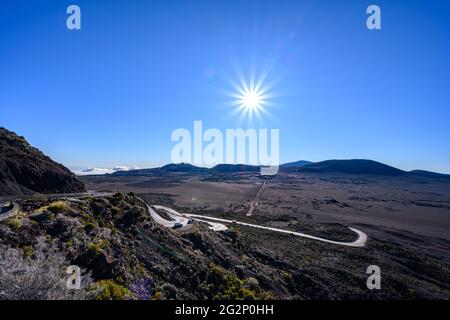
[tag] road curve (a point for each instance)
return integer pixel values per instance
(176, 217)
(219, 225)
(8, 210)
(360, 242)
(213, 225)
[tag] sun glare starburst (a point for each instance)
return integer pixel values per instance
(250, 98)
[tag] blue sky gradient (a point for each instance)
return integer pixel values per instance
(112, 93)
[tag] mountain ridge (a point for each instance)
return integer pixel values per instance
(25, 169)
(344, 166)
(351, 166)
(299, 163)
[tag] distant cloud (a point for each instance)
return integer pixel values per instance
(92, 171)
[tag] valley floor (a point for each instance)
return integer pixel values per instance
(115, 238)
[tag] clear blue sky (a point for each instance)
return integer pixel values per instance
(112, 93)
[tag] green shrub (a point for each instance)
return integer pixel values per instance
(111, 290)
(94, 248)
(27, 251)
(115, 211)
(223, 285)
(14, 223)
(39, 197)
(97, 247)
(158, 295)
(89, 227)
(288, 276)
(58, 207)
(117, 198)
(87, 219)
(114, 230)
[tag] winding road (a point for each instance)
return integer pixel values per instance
(218, 224)
(8, 210)
(179, 220)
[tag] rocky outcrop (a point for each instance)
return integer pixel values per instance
(26, 170)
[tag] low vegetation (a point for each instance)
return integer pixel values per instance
(125, 255)
(37, 274)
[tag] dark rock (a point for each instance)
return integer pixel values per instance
(26, 170)
(41, 217)
(102, 265)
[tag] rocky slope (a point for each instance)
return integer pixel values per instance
(25, 170)
(130, 257)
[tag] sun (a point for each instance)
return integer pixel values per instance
(250, 97)
(251, 100)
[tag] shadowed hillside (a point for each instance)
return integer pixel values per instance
(350, 166)
(24, 169)
(129, 256)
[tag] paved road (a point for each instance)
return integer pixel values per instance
(360, 242)
(8, 210)
(4, 207)
(218, 224)
(56, 196)
(175, 217)
(213, 225)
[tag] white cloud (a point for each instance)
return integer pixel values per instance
(95, 171)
